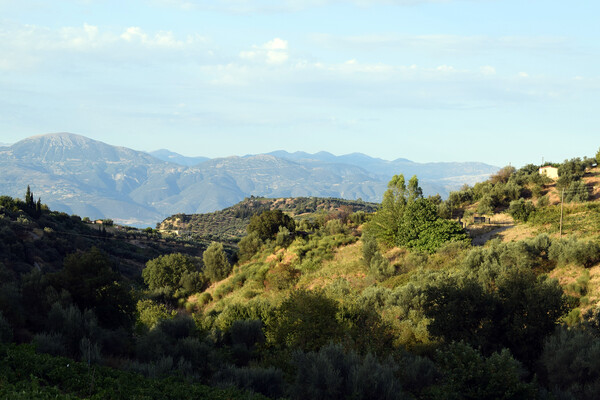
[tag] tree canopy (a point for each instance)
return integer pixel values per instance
(407, 219)
(266, 225)
(167, 270)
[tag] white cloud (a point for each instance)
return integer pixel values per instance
(276, 44)
(29, 45)
(164, 39)
(274, 52)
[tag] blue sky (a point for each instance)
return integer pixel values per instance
(498, 81)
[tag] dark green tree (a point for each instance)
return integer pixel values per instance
(29, 202)
(515, 311)
(267, 224)
(306, 320)
(93, 284)
(167, 270)
(470, 375)
(216, 265)
(520, 209)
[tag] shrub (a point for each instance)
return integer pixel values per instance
(332, 373)
(570, 364)
(380, 267)
(521, 209)
(577, 192)
(369, 248)
(151, 313)
(284, 237)
(192, 282)
(585, 254)
(543, 201)
(334, 227)
(205, 298)
(281, 277)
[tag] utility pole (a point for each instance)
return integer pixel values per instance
(562, 200)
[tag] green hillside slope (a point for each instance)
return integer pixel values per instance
(484, 295)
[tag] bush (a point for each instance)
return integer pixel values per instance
(380, 267)
(570, 364)
(151, 313)
(284, 237)
(369, 248)
(334, 227)
(520, 209)
(281, 277)
(332, 373)
(205, 298)
(577, 192)
(573, 251)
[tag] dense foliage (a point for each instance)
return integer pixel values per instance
(407, 219)
(342, 304)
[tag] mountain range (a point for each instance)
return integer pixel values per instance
(78, 175)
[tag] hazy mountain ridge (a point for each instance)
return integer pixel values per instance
(169, 156)
(79, 175)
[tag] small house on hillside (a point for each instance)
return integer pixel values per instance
(550, 171)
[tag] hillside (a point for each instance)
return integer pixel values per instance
(394, 297)
(81, 176)
(230, 223)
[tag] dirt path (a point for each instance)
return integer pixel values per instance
(481, 239)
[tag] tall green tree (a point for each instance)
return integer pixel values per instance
(216, 265)
(387, 219)
(407, 219)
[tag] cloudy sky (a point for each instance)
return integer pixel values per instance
(499, 81)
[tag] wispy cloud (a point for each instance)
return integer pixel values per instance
(29, 45)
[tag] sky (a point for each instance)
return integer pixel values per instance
(498, 81)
